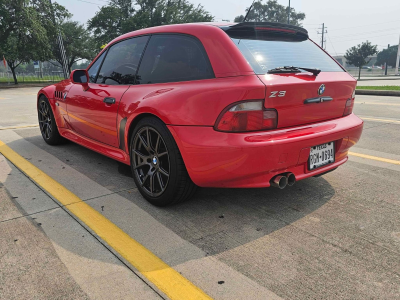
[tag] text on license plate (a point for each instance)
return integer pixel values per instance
(321, 155)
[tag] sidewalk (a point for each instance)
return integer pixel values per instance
(47, 254)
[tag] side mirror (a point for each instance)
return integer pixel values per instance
(80, 77)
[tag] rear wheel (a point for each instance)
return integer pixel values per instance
(47, 123)
(157, 165)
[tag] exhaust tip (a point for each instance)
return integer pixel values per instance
(279, 181)
(291, 179)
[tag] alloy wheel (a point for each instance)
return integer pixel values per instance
(151, 163)
(45, 122)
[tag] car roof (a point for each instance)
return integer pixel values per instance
(185, 28)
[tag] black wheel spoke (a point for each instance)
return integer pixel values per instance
(144, 179)
(151, 186)
(163, 172)
(142, 156)
(157, 143)
(160, 181)
(148, 138)
(162, 154)
(144, 143)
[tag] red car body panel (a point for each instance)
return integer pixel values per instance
(292, 111)
(220, 159)
(89, 116)
(190, 110)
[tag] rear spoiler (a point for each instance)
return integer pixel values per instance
(266, 31)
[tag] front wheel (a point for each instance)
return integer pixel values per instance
(157, 165)
(47, 123)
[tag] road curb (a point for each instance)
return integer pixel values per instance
(378, 93)
(383, 78)
(23, 85)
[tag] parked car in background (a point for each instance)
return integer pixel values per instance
(246, 105)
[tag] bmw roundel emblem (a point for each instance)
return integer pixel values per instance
(154, 160)
(321, 89)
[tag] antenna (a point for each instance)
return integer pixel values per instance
(251, 6)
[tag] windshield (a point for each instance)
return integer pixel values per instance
(264, 55)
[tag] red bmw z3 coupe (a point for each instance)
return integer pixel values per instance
(244, 105)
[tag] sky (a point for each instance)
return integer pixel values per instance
(348, 22)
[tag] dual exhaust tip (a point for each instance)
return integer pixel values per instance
(282, 180)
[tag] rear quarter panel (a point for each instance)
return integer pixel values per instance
(192, 103)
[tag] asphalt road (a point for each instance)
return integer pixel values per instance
(332, 237)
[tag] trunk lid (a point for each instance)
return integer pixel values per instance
(296, 96)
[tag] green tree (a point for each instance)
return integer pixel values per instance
(358, 55)
(32, 25)
(77, 42)
(11, 11)
(272, 11)
(134, 15)
(387, 56)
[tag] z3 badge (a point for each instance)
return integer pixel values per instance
(277, 94)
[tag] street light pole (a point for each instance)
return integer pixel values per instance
(288, 14)
(397, 59)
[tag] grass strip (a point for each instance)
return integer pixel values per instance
(380, 88)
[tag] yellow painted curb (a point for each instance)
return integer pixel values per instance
(380, 120)
(18, 127)
(169, 281)
(390, 161)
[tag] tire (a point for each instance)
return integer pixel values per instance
(47, 123)
(154, 155)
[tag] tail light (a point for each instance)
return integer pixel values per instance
(349, 104)
(247, 116)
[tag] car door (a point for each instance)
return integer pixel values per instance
(93, 113)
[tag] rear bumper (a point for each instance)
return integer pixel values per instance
(219, 159)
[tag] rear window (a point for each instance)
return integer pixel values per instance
(264, 55)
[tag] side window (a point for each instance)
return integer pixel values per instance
(121, 62)
(173, 58)
(95, 67)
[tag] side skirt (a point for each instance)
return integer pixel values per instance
(101, 148)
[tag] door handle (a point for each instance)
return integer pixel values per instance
(109, 100)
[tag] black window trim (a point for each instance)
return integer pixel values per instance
(202, 50)
(87, 70)
(117, 42)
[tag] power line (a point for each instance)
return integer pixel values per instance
(331, 44)
(89, 2)
(367, 37)
(365, 32)
(364, 25)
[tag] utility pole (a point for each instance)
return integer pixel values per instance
(386, 63)
(324, 30)
(288, 14)
(397, 59)
(61, 47)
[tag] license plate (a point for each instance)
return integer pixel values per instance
(321, 155)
